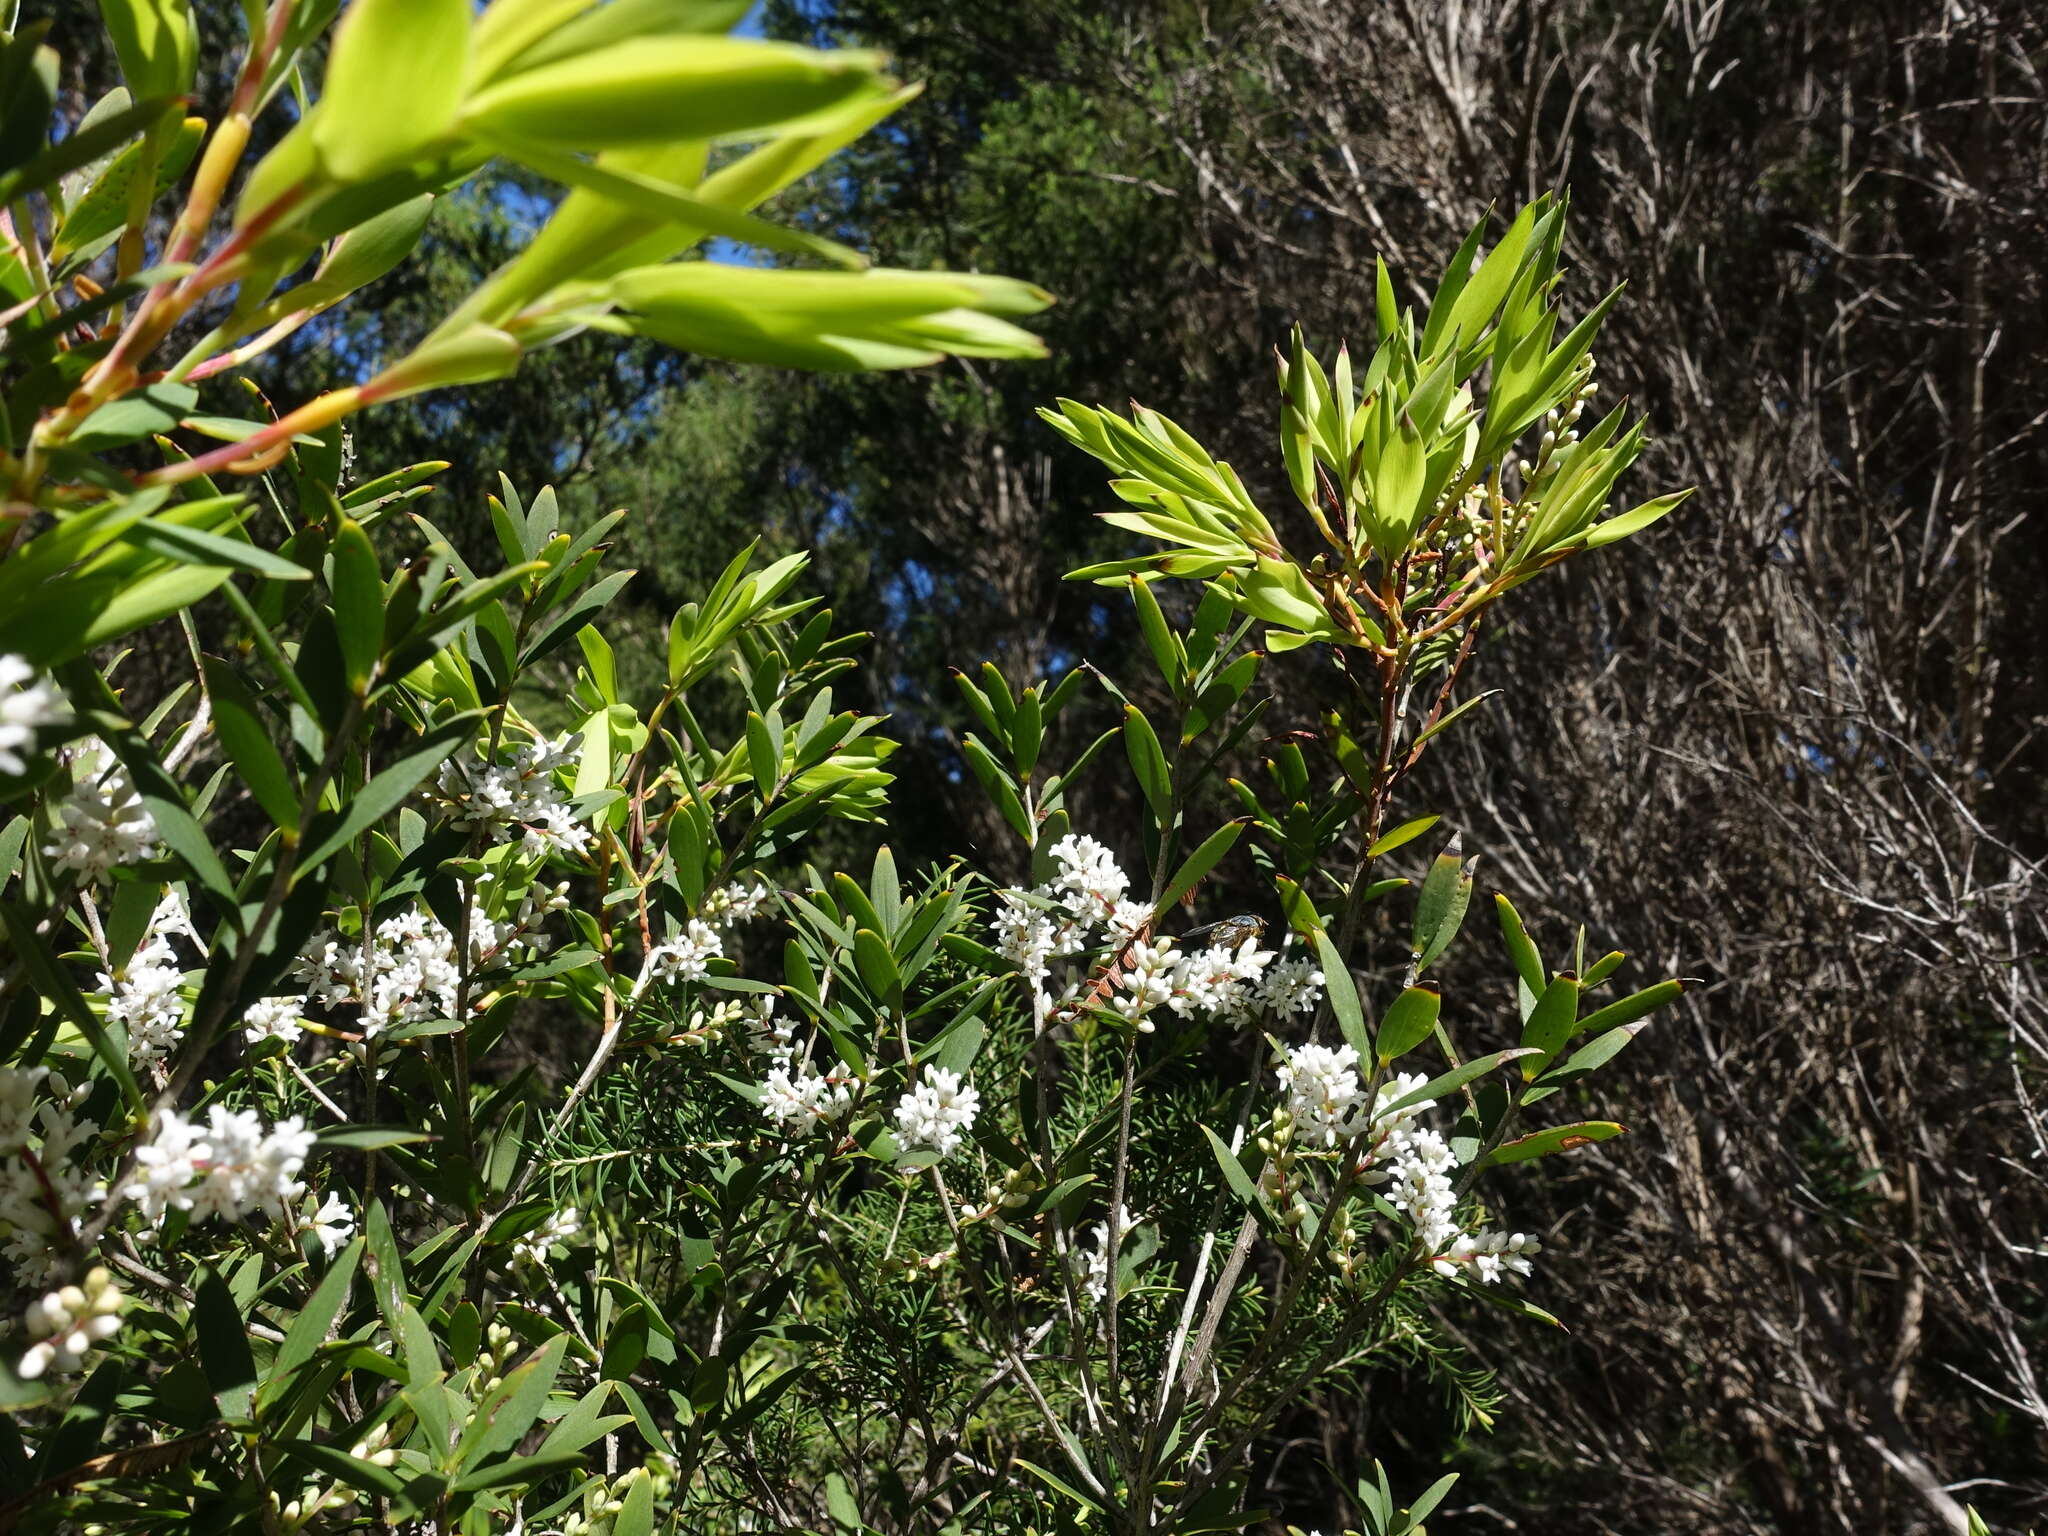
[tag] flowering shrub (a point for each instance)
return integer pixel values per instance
(435, 1094)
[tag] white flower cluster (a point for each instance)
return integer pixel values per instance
(730, 905)
(27, 705)
(936, 1114)
(686, 957)
(1323, 1092)
(102, 823)
(146, 1000)
(564, 1225)
(1033, 928)
(66, 1324)
(1091, 1264)
(34, 1208)
(1235, 985)
(794, 1099)
(404, 973)
(797, 1100)
(274, 1018)
(520, 794)
(227, 1166)
(1410, 1162)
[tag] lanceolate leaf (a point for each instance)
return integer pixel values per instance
(1343, 995)
(1559, 1138)
(1452, 1080)
(1200, 862)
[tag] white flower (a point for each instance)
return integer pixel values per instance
(40, 1205)
(518, 795)
(147, 1001)
(67, 1323)
(1024, 935)
(766, 1033)
(26, 706)
(333, 1225)
(102, 823)
(558, 1228)
(229, 1166)
(18, 1105)
(273, 1018)
(937, 1113)
(1089, 875)
(1147, 981)
(688, 956)
(1292, 986)
(405, 973)
(1322, 1090)
(796, 1102)
(731, 905)
(1126, 918)
(1491, 1254)
(1092, 1264)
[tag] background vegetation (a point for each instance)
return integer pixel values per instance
(1792, 745)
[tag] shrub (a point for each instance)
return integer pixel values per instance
(438, 1093)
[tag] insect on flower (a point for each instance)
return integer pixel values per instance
(1230, 933)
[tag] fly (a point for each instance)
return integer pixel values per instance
(1231, 933)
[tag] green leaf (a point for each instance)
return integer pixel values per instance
(1440, 908)
(1550, 1022)
(1221, 696)
(1628, 1009)
(192, 546)
(1634, 520)
(1148, 761)
(636, 1509)
(1452, 1080)
(1027, 732)
(1558, 1138)
(223, 1345)
(1409, 1020)
(1343, 995)
(1595, 1053)
(156, 42)
(840, 1503)
(312, 1323)
(1406, 832)
(519, 1469)
(238, 721)
(877, 966)
(1432, 1496)
(1059, 1485)
(764, 756)
(1452, 715)
(360, 1475)
(1199, 863)
(367, 1138)
(358, 603)
(104, 206)
(657, 90)
(1241, 1183)
(77, 150)
(140, 413)
(393, 87)
(513, 1406)
(1160, 640)
(52, 982)
(1529, 972)
(656, 200)
(384, 793)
